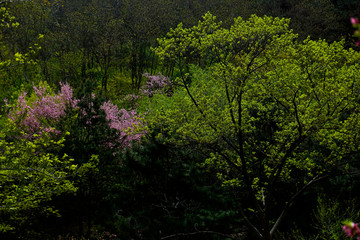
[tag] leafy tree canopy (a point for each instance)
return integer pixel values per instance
(30, 175)
(271, 111)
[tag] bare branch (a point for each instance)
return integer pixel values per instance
(250, 224)
(292, 200)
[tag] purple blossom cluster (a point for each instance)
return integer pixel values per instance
(155, 84)
(352, 229)
(356, 24)
(41, 114)
(127, 124)
(42, 111)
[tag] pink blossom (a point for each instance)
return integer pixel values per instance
(43, 110)
(155, 84)
(66, 93)
(348, 231)
(351, 230)
(354, 21)
(42, 113)
(125, 122)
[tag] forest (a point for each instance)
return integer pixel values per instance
(179, 119)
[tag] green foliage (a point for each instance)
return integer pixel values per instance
(16, 65)
(269, 113)
(271, 110)
(306, 19)
(7, 20)
(176, 194)
(330, 214)
(31, 173)
(326, 19)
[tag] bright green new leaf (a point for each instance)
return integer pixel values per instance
(270, 111)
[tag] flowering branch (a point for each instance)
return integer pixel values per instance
(127, 124)
(155, 84)
(356, 24)
(351, 229)
(41, 111)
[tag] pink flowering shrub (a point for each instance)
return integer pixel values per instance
(127, 123)
(351, 229)
(356, 24)
(42, 110)
(156, 84)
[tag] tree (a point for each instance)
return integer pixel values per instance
(85, 127)
(306, 16)
(44, 111)
(30, 175)
(40, 112)
(273, 114)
